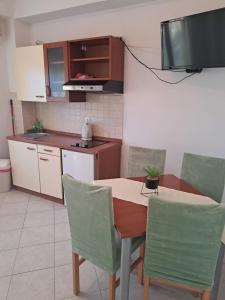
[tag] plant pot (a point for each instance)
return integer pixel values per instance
(152, 183)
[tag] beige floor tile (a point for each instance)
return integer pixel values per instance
(61, 216)
(11, 222)
(62, 232)
(15, 196)
(7, 259)
(2, 196)
(39, 204)
(13, 208)
(9, 239)
(103, 278)
(63, 281)
(59, 206)
(155, 292)
(86, 296)
(37, 235)
(39, 218)
(63, 253)
(37, 285)
(34, 258)
(4, 286)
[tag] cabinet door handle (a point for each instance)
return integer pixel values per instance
(39, 96)
(48, 150)
(32, 149)
(44, 159)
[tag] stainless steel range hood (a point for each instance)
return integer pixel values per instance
(100, 86)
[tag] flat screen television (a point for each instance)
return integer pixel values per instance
(194, 42)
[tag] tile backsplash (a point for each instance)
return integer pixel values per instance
(105, 113)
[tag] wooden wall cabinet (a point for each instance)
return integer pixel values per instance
(42, 70)
(56, 70)
(57, 73)
(101, 58)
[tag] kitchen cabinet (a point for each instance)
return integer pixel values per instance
(37, 164)
(24, 161)
(57, 73)
(50, 175)
(36, 168)
(42, 70)
(30, 73)
(56, 70)
(101, 58)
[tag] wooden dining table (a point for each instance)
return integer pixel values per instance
(130, 221)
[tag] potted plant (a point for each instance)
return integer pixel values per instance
(152, 178)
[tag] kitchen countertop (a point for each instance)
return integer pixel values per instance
(65, 140)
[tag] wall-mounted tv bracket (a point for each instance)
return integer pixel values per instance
(194, 70)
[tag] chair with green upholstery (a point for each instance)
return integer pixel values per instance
(94, 238)
(139, 158)
(182, 245)
(206, 174)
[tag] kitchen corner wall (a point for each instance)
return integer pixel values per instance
(188, 117)
(105, 114)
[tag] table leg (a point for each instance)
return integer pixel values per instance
(125, 269)
(215, 290)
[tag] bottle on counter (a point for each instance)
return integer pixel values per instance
(86, 132)
(37, 127)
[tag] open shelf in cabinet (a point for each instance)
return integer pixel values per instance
(100, 58)
(90, 59)
(89, 48)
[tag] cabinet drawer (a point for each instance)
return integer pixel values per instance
(49, 150)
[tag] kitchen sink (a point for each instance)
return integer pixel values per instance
(35, 136)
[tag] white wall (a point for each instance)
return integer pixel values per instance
(5, 118)
(186, 117)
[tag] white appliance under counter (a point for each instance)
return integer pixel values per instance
(79, 165)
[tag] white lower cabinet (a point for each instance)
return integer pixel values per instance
(50, 175)
(35, 171)
(24, 161)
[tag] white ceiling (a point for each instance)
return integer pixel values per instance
(94, 6)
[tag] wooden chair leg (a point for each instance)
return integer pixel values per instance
(112, 286)
(76, 275)
(205, 295)
(140, 275)
(146, 287)
(196, 294)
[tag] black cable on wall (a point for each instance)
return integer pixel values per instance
(152, 69)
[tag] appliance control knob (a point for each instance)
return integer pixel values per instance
(77, 144)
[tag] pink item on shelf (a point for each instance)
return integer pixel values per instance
(83, 76)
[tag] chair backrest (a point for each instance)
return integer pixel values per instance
(91, 222)
(183, 242)
(206, 174)
(139, 158)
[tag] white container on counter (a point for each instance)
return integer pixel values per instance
(5, 175)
